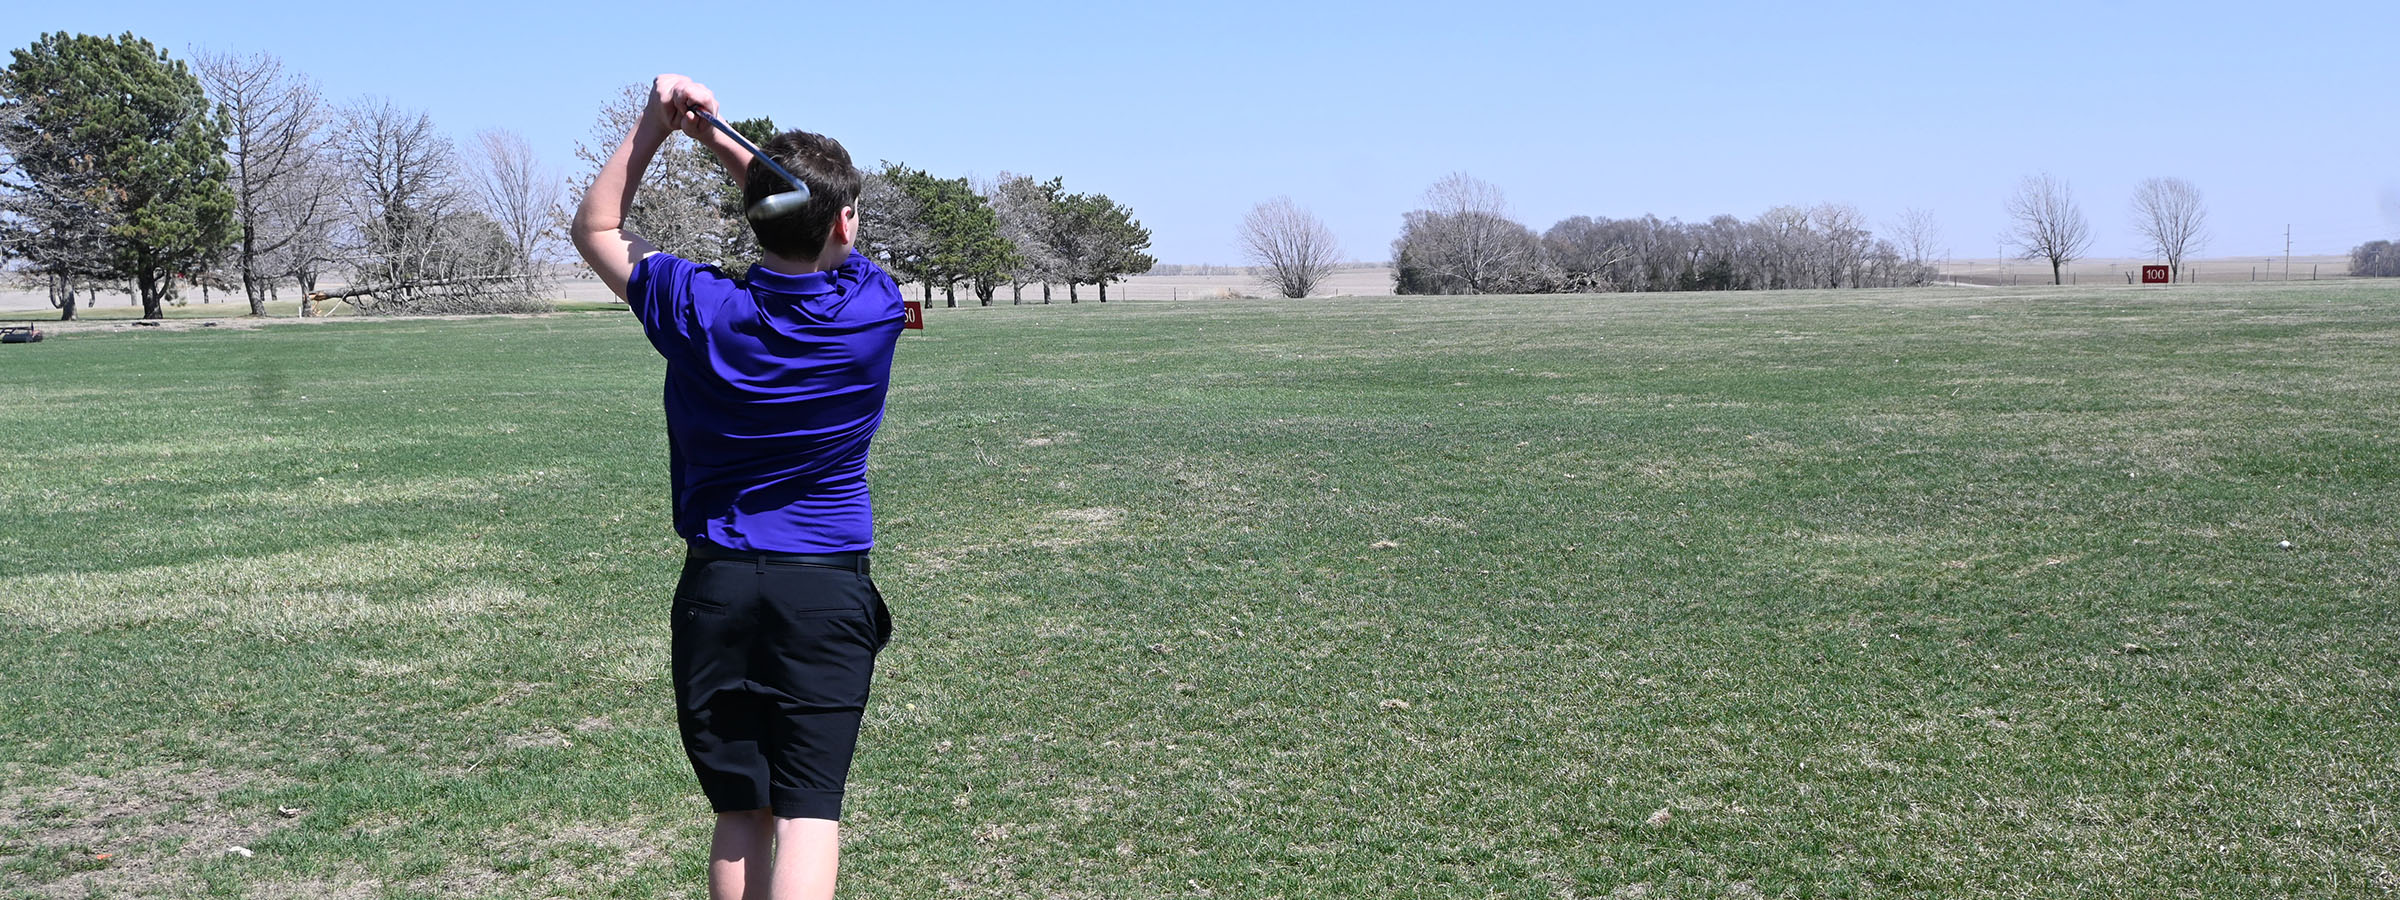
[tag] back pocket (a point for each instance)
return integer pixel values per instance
(812, 592)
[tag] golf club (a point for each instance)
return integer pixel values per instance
(775, 205)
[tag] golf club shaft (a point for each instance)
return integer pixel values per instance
(756, 153)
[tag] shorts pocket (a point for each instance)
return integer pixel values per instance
(831, 612)
(881, 611)
(688, 604)
(813, 592)
(704, 587)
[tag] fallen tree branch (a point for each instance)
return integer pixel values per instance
(322, 296)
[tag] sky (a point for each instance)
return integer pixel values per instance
(2283, 114)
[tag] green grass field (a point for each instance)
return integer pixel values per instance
(115, 309)
(1860, 594)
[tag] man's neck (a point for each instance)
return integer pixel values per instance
(828, 261)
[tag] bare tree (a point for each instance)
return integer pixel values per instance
(1916, 235)
(312, 211)
(1587, 253)
(1789, 247)
(1884, 267)
(2169, 214)
(680, 207)
(414, 243)
(521, 194)
(273, 146)
(891, 225)
(1028, 211)
(1464, 241)
(405, 183)
(1291, 245)
(1727, 255)
(1644, 254)
(1844, 243)
(1478, 214)
(2375, 259)
(2047, 224)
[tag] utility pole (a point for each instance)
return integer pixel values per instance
(2287, 252)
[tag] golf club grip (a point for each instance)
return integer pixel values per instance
(760, 155)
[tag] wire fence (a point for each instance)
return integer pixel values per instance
(2006, 273)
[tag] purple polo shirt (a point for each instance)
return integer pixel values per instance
(775, 386)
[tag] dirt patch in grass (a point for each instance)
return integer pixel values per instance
(299, 591)
(542, 738)
(317, 889)
(1053, 530)
(609, 849)
(553, 860)
(1096, 517)
(135, 833)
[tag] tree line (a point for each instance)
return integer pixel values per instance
(1011, 231)
(1463, 241)
(131, 170)
(2376, 259)
(126, 166)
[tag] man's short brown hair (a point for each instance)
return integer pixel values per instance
(832, 182)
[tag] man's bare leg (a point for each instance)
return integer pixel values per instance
(741, 858)
(808, 853)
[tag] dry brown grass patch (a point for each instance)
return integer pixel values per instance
(134, 833)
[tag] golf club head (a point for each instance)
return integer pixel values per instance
(776, 206)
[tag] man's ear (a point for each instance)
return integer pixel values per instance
(845, 227)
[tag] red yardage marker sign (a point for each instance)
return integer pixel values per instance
(2155, 275)
(916, 314)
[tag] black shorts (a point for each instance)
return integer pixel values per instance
(772, 661)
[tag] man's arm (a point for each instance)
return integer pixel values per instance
(735, 159)
(599, 226)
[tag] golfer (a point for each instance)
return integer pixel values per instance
(775, 385)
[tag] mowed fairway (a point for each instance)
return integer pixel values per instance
(1861, 594)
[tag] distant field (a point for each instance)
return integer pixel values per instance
(1939, 593)
(2214, 270)
(1355, 281)
(1367, 281)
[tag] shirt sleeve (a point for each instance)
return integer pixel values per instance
(877, 283)
(659, 291)
(664, 292)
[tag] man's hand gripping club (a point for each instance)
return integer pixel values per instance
(599, 226)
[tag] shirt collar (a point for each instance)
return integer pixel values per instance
(841, 279)
(810, 284)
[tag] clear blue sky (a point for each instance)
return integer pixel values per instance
(2281, 113)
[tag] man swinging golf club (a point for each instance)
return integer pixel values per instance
(774, 387)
